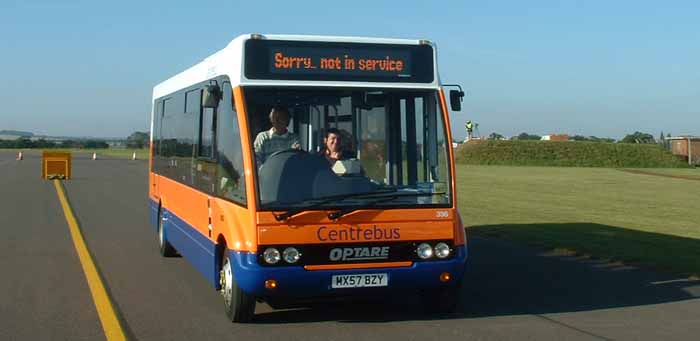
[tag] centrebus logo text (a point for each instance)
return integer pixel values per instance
(357, 233)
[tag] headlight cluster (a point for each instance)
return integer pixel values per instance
(426, 251)
(290, 255)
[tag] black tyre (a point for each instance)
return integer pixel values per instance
(240, 306)
(166, 250)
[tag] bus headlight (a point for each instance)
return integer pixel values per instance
(424, 251)
(442, 250)
(291, 255)
(271, 255)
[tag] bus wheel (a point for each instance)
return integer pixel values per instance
(166, 250)
(240, 307)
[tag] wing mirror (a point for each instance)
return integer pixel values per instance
(456, 97)
(211, 95)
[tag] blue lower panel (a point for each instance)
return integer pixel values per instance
(295, 281)
(153, 210)
(196, 248)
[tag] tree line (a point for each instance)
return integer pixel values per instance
(636, 137)
(26, 143)
(136, 140)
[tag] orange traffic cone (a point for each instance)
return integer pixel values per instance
(94, 156)
(20, 157)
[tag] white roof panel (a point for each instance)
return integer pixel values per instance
(229, 61)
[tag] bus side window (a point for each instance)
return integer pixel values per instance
(157, 121)
(204, 169)
(205, 140)
(185, 130)
(230, 174)
(168, 138)
(206, 135)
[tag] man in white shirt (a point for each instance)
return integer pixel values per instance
(277, 138)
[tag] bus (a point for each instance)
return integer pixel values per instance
(283, 222)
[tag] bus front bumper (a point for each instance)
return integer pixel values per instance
(295, 281)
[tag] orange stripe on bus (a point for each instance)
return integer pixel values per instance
(357, 266)
(230, 221)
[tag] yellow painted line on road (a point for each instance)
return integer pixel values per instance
(105, 310)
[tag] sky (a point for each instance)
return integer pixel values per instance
(602, 68)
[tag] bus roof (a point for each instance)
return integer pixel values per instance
(230, 61)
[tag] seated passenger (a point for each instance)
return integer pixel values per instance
(332, 146)
(342, 161)
(277, 138)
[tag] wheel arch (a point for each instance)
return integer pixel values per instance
(219, 252)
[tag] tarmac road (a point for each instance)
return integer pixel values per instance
(510, 292)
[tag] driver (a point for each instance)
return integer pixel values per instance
(277, 138)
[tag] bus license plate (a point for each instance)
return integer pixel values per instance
(359, 281)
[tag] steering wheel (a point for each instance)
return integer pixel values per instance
(290, 150)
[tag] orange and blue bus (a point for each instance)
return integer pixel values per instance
(283, 222)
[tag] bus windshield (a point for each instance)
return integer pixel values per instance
(348, 148)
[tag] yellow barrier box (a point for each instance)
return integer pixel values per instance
(56, 165)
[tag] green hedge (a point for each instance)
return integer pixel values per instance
(567, 154)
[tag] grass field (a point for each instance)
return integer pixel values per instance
(607, 213)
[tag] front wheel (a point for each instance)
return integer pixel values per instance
(240, 306)
(165, 248)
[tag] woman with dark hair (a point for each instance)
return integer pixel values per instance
(332, 148)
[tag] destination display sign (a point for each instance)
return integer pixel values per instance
(365, 62)
(290, 60)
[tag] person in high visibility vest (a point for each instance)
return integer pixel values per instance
(470, 129)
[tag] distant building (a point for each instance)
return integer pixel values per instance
(687, 147)
(555, 137)
(116, 144)
(467, 140)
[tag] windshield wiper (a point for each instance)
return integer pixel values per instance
(317, 202)
(337, 214)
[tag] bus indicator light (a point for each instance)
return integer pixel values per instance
(445, 277)
(270, 284)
